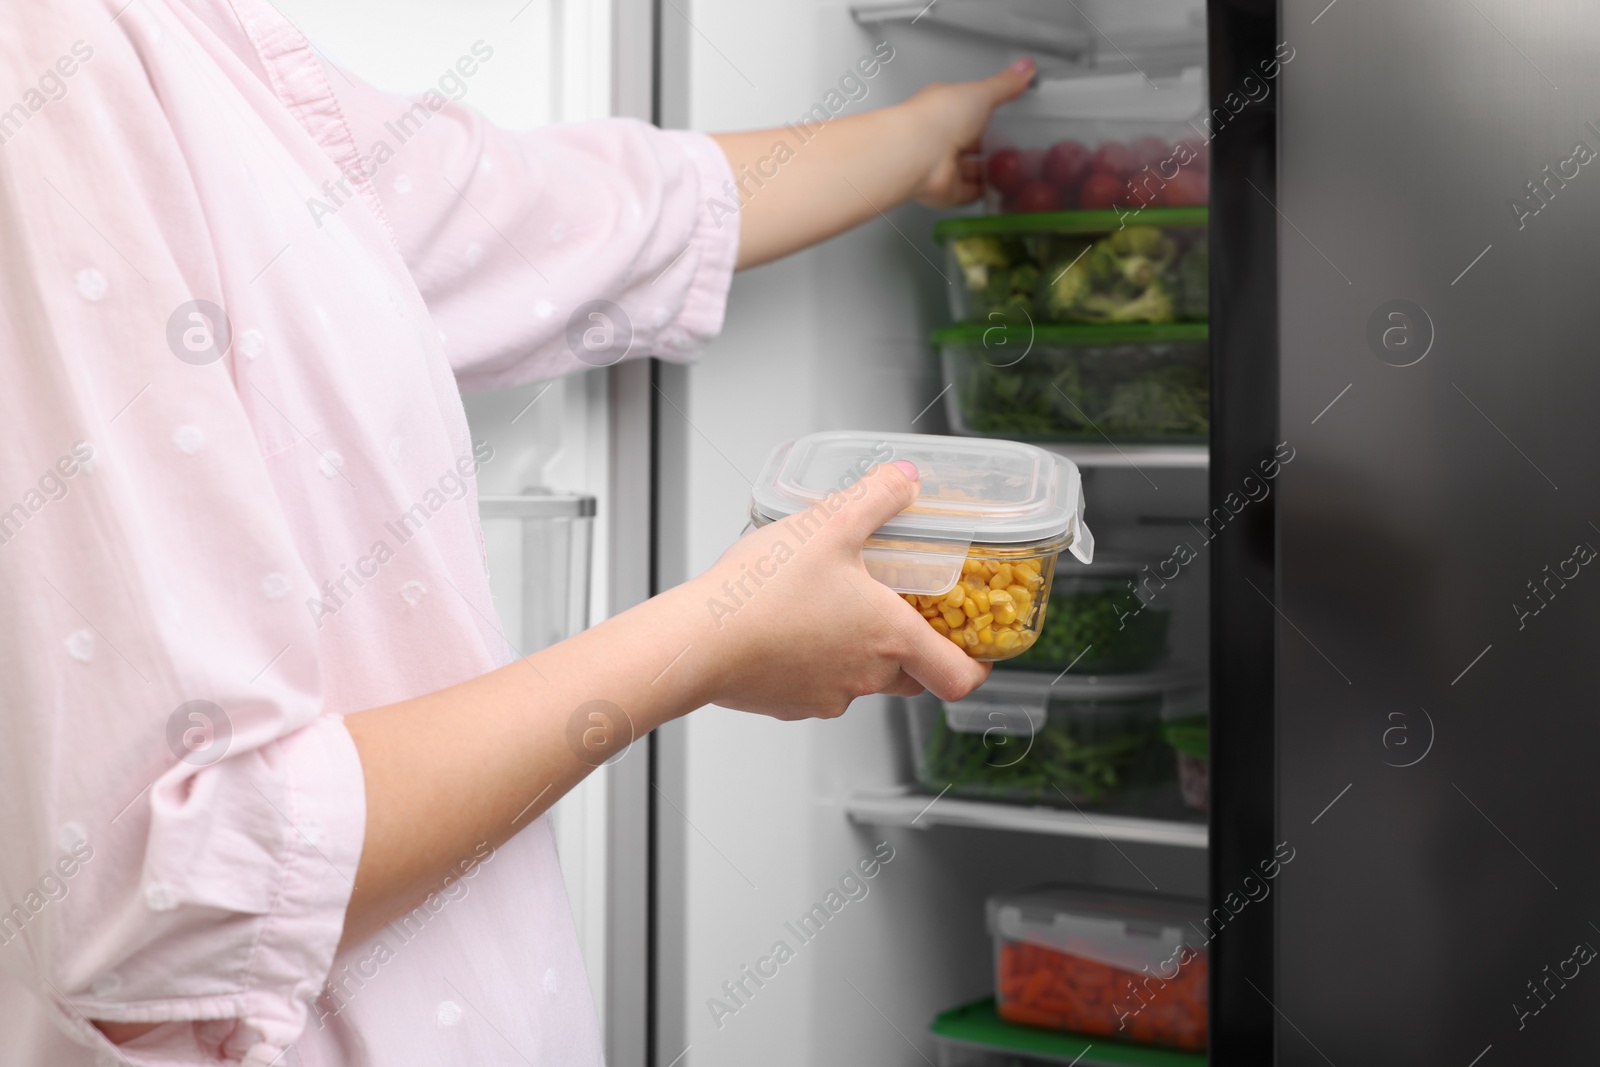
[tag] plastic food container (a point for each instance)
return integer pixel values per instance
(975, 554)
(1098, 623)
(1147, 384)
(1099, 142)
(1096, 267)
(1080, 742)
(1126, 966)
(974, 1035)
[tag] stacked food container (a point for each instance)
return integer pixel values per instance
(1079, 304)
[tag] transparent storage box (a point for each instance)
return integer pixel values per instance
(1124, 966)
(1094, 267)
(1098, 142)
(975, 554)
(1079, 742)
(1099, 623)
(1131, 385)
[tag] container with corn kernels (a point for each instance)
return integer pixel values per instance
(975, 553)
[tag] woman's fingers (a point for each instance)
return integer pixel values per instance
(884, 492)
(1009, 83)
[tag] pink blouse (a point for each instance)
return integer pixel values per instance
(236, 503)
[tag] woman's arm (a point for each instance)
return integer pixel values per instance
(859, 165)
(802, 629)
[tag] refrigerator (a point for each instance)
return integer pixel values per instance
(1394, 626)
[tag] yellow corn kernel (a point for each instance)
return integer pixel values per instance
(955, 636)
(1027, 568)
(930, 613)
(941, 626)
(983, 622)
(972, 566)
(1023, 603)
(970, 606)
(954, 597)
(986, 636)
(969, 638)
(1005, 614)
(1006, 640)
(998, 597)
(980, 597)
(954, 618)
(1002, 577)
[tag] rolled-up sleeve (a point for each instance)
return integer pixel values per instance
(550, 250)
(183, 818)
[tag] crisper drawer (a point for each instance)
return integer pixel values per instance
(539, 547)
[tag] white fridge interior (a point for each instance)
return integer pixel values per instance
(760, 819)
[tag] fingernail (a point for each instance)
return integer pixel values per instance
(908, 468)
(1022, 64)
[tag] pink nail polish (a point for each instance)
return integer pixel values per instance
(908, 468)
(1022, 64)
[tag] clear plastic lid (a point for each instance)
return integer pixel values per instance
(991, 492)
(1127, 930)
(971, 492)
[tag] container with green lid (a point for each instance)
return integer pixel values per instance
(1128, 384)
(1108, 268)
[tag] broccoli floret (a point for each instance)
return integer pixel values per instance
(1138, 271)
(1146, 241)
(1025, 279)
(975, 255)
(1153, 305)
(1065, 294)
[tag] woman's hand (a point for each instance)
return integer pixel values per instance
(798, 628)
(453, 770)
(794, 193)
(953, 116)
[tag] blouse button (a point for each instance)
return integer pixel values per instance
(92, 285)
(448, 1013)
(474, 254)
(275, 586)
(80, 645)
(544, 309)
(159, 898)
(330, 463)
(551, 983)
(252, 343)
(413, 591)
(70, 836)
(188, 439)
(402, 184)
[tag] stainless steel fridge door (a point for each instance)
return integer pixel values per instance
(1435, 613)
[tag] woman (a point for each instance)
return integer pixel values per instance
(255, 702)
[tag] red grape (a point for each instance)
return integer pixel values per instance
(1065, 164)
(1100, 191)
(1114, 157)
(1188, 189)
(1037, 196)
(1006, 171)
